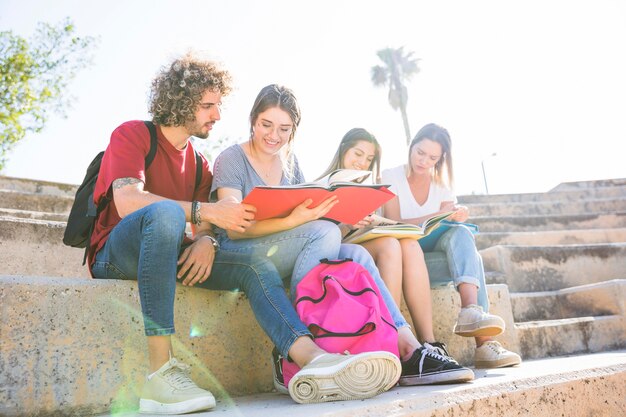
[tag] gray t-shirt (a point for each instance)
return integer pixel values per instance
(232, 169)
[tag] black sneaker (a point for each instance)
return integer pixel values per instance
(428, 367)
(438, 347)
(277, 372)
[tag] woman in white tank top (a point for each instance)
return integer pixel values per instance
(424, 188)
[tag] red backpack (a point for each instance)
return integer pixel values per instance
(342, 307)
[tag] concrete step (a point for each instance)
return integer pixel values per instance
(540, 339)
(582, 385)
(563, 196)
(35, 202)
(605, 205)
(37, 186)
(37, 215)
(546, 268)
(75, 346)
(577, 185)
(35, 247)
(555, 237)
(600, 299)
(550, 222)
(446, 306)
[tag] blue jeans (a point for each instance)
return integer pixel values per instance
(294, 252)
(455, 258)
(361, 256)
(145, 246)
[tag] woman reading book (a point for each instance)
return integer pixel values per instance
(297, 242)
(400, 261)
(423, 188)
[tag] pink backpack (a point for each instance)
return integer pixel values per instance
(342, 307)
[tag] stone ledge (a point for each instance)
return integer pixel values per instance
(540, 339)
(600, 299)
(37, 186)
(63, 337)
(36, 202)
(34, 247)
(584, 385)
(568, 195)
(556, 237)
(549, 222)
(541, 208)
(601, 183)
(545, 268)
(33, 215)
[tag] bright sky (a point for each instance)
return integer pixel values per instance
(540, 83)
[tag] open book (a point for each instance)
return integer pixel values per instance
(356, 200)
(382, 226)
(339, 176)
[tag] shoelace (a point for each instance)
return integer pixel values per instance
(178, 376)
(438, 351)
(429, 353)
(496, 347)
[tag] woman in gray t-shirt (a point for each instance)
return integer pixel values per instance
(296, 243)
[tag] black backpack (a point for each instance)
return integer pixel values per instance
(84, 212)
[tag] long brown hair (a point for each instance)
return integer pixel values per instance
(441, 136)
(271, 96)
(348, 142)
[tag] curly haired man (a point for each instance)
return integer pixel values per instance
(140, 235)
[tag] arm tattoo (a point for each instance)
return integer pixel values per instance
(123, 182)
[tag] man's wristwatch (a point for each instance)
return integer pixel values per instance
(214, 242)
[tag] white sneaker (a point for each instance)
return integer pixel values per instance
(473, 321)
(491, 354)
(334, 377)
(170, 391)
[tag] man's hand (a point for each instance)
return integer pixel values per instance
(229, 214)
(196, 261)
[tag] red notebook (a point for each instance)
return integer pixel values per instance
(356, 201)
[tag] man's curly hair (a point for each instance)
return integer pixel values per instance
(177, 90)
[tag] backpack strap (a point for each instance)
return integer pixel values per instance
(153, 143)
(335, 262)
(153, 148)
(198, 171)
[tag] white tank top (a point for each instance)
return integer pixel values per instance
(409, 208)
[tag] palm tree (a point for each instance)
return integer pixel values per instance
(398, 67)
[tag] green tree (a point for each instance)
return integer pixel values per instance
(398, 67)
(34, 76)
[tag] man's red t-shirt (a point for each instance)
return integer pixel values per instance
(172, 174)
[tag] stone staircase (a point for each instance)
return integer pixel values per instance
(70, 345)
(563, 260)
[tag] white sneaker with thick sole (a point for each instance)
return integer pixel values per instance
(473, 321)
(170, 391)
(491, 354)
(334, 377)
